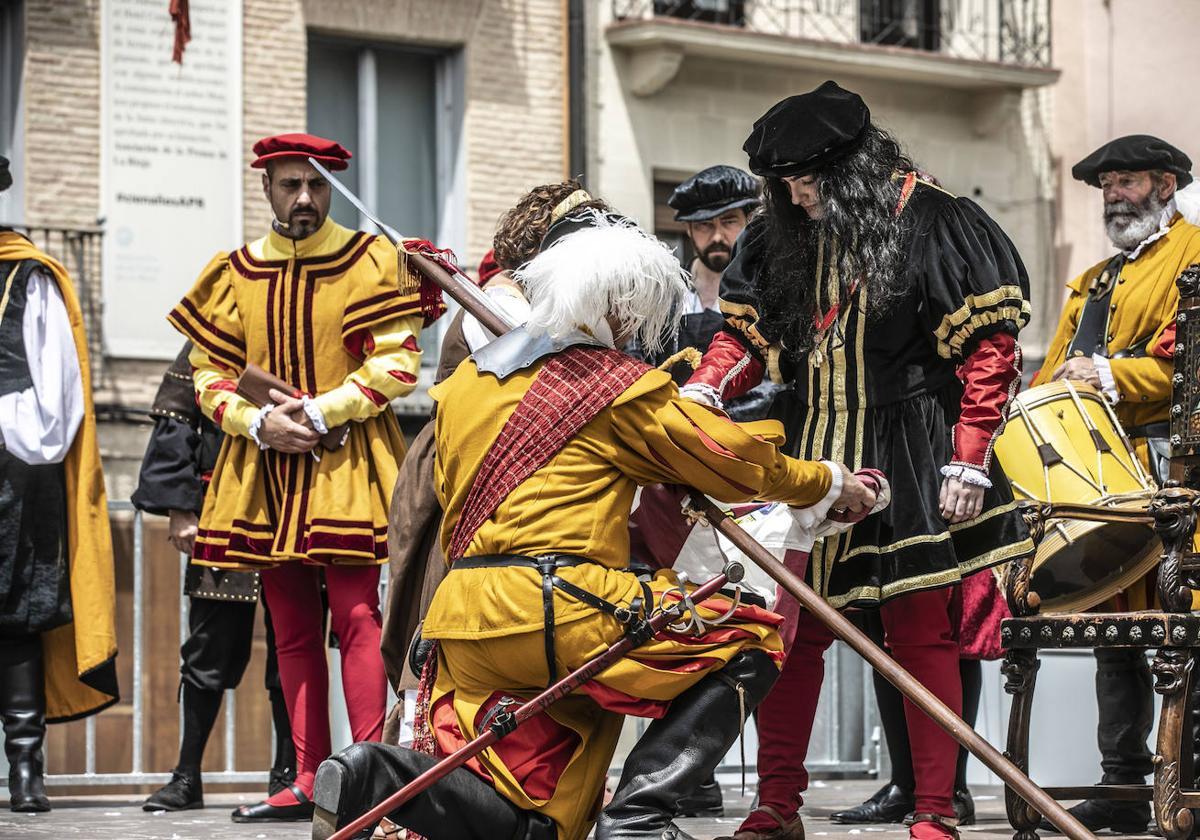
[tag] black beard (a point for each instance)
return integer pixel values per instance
(714, 259)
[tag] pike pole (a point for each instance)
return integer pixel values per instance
(455, 284)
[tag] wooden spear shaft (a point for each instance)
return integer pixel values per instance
(905, 683)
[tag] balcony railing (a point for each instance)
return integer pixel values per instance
(79, 250)
(1015, 32)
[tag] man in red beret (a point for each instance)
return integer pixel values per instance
(305, 480)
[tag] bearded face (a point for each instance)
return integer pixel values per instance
(1128, 223)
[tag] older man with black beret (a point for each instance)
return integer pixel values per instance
(1117, 333)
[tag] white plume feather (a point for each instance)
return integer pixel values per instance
(611, 268)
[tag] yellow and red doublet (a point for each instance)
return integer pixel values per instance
(336, 316)
(489, 622)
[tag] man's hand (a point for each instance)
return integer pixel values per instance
(281, 432)
(182, 526)
(1079, 369)
(960, 501)
(856, 498)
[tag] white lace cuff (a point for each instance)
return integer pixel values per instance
(314, 415)
(1108, 385)
(967, 475)
(257, 422)
(702, 393)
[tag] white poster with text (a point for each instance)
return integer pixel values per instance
(171, 167)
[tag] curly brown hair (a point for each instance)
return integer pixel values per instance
(520, 231)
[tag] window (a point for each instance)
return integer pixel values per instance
(399, 112)
(665, 227)
(729, 12)
(901, 23)
(12, 58)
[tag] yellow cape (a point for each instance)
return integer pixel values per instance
(81, 673)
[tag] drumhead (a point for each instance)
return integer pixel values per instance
(1082, 564)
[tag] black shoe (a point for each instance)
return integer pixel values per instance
(183, 793)
(264, 811)
(890, 804)
(704, 801)
(460, 805)
(964, 807)
(679, 751)
(1098, 814)
(281, 779)
(23, 704)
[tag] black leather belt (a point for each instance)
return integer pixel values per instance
(632, 616)
(1161, 429)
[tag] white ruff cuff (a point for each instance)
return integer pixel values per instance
(967, 475)
(314, 415)
(702, 393)
(256, 424)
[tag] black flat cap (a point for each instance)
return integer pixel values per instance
(5, 175)
(807, 131)
(1134, 153)
(713, 191)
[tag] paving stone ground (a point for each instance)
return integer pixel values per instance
(121, 818)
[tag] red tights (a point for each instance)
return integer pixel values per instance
(918, 632)
(294, 598)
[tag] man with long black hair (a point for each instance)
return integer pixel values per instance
(891, 309)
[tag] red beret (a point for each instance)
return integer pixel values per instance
(328, 152)
(488, 267)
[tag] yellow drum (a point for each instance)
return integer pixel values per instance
(1062, 443)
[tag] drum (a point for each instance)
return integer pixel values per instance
(1062, 443)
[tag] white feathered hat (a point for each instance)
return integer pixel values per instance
(594, 265)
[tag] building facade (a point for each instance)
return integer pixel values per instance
(452, 110)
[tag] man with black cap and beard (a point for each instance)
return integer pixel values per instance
(1117, 333)
(715, 204)
(891, 307)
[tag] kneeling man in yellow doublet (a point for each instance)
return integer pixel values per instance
(542, 438)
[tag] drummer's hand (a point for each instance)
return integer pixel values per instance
(856, 498)
(960, 501)
(1079, 369)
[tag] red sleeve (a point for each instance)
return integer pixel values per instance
(990, 376)
(729, 368)
(1164, 348)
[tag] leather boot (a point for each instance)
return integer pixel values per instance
(23, 704)
(460, 806)
(679, 751)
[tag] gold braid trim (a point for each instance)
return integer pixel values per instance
(688, 354)
(568, 204)
(1003, 304)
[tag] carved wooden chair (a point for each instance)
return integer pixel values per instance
(1172, 631)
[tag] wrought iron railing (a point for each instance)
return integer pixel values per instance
(1005, 31)
(79, 249)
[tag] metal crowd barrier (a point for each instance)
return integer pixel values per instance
(137, 775)
(845, 736)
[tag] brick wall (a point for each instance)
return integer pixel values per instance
(62, 112)
(273, 89)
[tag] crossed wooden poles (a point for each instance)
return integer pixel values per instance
(459, 287)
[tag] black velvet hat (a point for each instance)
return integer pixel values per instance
(807, 131)
(5, 175)
(713, 191)
(1134, 153)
